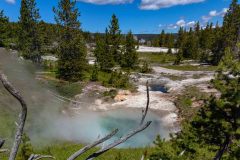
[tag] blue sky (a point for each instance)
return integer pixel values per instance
(140, 16)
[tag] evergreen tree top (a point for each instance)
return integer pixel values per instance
(67, 14)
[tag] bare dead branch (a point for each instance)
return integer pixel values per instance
(119, 141)
(94, 144)
(144, 111)
(224, 147)
(37, 157)
(1, 142)
(22, 116)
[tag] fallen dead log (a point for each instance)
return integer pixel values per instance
(94, 144)
(22, 116)
(119, 141)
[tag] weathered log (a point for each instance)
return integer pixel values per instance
(144, 111)
(37, 157)
(22, 116)
(119, 141)
(94, 144)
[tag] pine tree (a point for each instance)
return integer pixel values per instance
(29, 42)
(162, 39)
(115, 39)
(72, 50)
(229, 33)
(130, 57)
(180, 44)
(180, 38)
(231, 25)
(197, 28)
(219, 122)
(102, 53)
(190, 48)
(3, 28)
(94, 76)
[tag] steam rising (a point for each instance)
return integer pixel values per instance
(46, 123)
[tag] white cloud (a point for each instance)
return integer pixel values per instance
(172, 26)
(191, 24)
(101, 2)
(157, 4)
(11, 1)
(214, 13)
(181, 23)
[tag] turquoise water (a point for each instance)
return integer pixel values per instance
(128, 119)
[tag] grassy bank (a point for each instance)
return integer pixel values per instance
(157, 58)
(64, 150)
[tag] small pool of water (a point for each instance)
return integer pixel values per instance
(158, 88)
(127, 120)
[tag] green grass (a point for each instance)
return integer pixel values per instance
(191, 68)
(66, 89)
(185, 100)
(64, 150)
(159, 58)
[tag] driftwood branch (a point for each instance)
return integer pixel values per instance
(119, 141)
(22, 116)
(37, 157)
(88, 147)
(144, 112)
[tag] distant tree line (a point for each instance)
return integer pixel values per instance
(206, 44)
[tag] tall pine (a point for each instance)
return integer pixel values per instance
(130, 57)
(115, 39)
(3, 28)
(229, 33)
(181, 38)
(72, 50)
(28, 40)
(102, 52)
